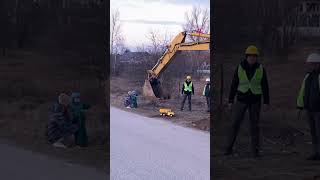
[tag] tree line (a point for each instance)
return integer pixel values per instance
(31, 22)
(196, 19)
(271, 24)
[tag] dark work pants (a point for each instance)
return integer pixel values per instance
(208, 102)
(239, 110)
(185, 96)
(314, 123)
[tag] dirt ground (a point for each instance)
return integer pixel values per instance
(198, 118)
(285, 139)
(30, 84)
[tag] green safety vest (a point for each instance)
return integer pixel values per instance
(300, 99)
(254, 84)
(187, 88)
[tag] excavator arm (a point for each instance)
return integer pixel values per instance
(152, 85)
(178, 45)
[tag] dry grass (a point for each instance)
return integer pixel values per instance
(32, 84)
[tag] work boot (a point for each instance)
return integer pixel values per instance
(314, 157)
(59, 145)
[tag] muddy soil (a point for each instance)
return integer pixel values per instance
(198, 118)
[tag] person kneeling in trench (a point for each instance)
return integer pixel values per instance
(134, 99)
(60, 125)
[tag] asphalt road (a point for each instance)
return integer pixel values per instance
(18, 164)
(149, 149)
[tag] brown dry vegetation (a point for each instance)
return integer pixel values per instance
(30, 84)
(52, 48)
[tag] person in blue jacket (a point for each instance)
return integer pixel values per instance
(78, 114)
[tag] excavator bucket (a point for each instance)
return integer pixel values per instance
(152, 88)
(147, 89)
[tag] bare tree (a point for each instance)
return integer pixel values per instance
(116, 38)
(141, 48)
(271, 24)
(120, 47)
(276, 23)
(158, 42)
(198, 19)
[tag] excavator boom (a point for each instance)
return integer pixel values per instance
(152, 87)
(200, 35)
(195, 46)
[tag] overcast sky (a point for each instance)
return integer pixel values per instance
(138, 17)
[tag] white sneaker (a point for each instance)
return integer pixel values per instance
(59, 145)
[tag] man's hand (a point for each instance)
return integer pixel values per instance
(230, 105)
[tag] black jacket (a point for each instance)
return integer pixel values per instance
(312, 93)
(185, 92)
(249, 97)
(207, 90)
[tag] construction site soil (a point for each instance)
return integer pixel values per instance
(198, 118)
(30, 84)
(285, 138)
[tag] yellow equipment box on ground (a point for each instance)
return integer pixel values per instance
(166, 112)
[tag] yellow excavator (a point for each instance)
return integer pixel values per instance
(152, 86)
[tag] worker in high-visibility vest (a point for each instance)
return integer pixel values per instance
(206, 93)
(249, 84)
(187, 90)
(309, 99)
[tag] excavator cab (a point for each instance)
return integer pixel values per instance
(152, 85)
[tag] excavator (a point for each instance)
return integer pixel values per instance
(152, 86)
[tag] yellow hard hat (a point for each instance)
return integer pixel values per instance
(252, 50)
(189, 77)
